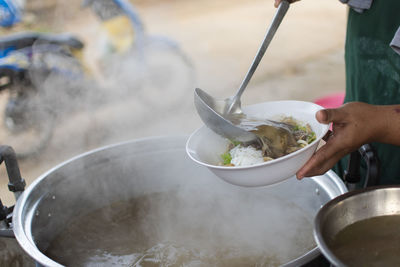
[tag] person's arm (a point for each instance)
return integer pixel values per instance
(354, 124)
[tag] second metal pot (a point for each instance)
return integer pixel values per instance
(350, 208)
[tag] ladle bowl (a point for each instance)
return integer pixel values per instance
(211, 112)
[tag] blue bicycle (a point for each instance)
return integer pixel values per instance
(10, 12)
(43, 74)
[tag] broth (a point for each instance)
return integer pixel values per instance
(370, 242)
(173, 229)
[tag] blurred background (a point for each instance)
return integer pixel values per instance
(212, 44)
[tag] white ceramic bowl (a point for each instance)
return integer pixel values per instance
(206, 147)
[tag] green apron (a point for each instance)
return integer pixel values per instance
(373, 73)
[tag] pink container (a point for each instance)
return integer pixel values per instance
(331, 101)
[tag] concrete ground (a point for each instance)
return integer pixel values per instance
(303, 62)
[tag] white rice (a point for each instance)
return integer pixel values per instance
(245, 156)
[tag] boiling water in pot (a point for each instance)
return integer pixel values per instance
(187, 229)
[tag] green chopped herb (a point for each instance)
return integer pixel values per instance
(311, 137)
(226, 157)
(300, 128)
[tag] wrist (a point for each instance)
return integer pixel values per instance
(386, 124)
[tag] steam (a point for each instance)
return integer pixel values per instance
(199, 224)
(228, 228)
(179, 216)
(112, 96)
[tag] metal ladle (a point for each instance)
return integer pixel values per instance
(219, 115)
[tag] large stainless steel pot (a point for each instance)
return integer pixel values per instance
(352, 207)
(118, 172)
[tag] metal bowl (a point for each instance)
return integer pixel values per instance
(143, 167)
(350, 208)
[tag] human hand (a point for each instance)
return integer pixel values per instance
(277, 2)
(354, 124)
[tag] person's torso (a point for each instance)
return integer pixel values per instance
(373, 71)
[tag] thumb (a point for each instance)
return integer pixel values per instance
(330, 115)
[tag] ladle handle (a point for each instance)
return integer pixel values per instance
(280, 13)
